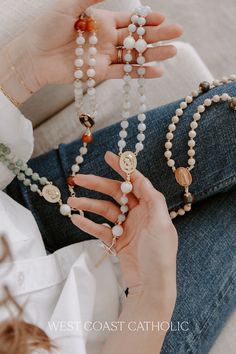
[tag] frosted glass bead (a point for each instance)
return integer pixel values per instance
(141, 71)
(79, 51)
(194, 125)
(26, 182)
(83, 150)
(197, 116)
(75, 168)
(141, 31)
(43, 181)
(80, 40)
(129, 42)
(128, 57)
(78, 74)
(93, 40)
(79, 62)
(172, 127)
(139, 147)
(21, 176)
(134, 19)
(192, 134)
(35, 176)
(168, 154)
(121, 218)
(132, 28)
(92, 50)
(142, 127)
(141, 21)
(169, 136)
(179, 112)
(124, 209)
(34, 187)
(124, 124)
(91, 72)
(79, 159)
(121, 143)
(141, 117)
(126, 187)
(141, 45)
(117, 231)
(141, 137)
(65, 210)
(91, 83)
(141, 60)
(124, 200)
(29, 172)
(92, 62)
(123, 134)
(127, 68)
(168, 145)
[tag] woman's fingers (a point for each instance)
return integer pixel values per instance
(105, 186)
(100, 231)
(159, 53)
(153, 34)
(122, 19)
(116, 71)
(104, 208)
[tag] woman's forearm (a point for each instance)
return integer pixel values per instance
(140, 328)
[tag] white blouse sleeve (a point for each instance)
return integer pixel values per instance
(17, 133)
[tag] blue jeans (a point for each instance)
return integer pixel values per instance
(206, 263)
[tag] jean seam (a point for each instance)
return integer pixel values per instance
(211, 313)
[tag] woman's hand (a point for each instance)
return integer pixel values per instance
(147, 249)
(49, 44)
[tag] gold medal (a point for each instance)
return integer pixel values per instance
(128, 162)
(51, 193)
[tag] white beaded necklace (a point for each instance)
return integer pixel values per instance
(182, 174)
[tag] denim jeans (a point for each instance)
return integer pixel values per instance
(206, 261)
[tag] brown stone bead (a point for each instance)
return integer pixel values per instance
(183, 177)
(188, 198)
(71, 181)
(91, 25)
(233, 103)
(204, 86)
(81, 24)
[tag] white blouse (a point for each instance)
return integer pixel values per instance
(67, 296)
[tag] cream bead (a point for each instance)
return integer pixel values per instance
(123, 134)
(141, 137)
(189, 99)
(168, 145)
(169, 136)
(142, 127)
(216, 98)
(117, 231)
(75, 168)
(191, 143)
(83, 150)
(141, 117)
(78, 74)
(134, 18)
(181, 212)
(65, 209)
(139, 147)
(126, 187)
(127, 68)
(192, 134)
(168, 154)
(79, 62)
(141, 71)
(175, 119)
(193, 125)
(79, 159)
(187, 207)
(201, 109)
(171, 163)
(232, 77)
(195, 93)
(179, 112)
(79, 51)
(92, 50)
(173, 214)
(197, 116)
(183, 105)
(141, 60)
(191, 152)
(124, 124)
(141, 21)
(191, 162)
(141, 31)
(128, 57)
(92, 62)
(225, 97)
(172, 127)
(121, 144)
(91, 72)
(208, 102)
(141, 45)
(93, 40)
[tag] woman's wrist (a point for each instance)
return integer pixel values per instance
(17, 75)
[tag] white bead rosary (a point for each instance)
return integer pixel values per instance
(182, 174)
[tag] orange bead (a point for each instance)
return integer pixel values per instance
(183, 177)
(87, 137)
(91, 25)
(71, 181)
(80, 24)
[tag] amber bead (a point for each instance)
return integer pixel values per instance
(233, 103)
(188, 198)
(87, 137)
(81, 24)
(91, 25)
(204, 86)
(183, 177)
(71, 181)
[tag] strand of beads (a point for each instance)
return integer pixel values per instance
(182, 174)
(128, 160)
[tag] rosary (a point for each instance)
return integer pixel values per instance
(86, 29)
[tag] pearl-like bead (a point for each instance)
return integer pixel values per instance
(173, 214)
(132, 28)
(134, 18)
(80, 40)
(169, 136)
(43, 181)
(141, 21)
(127, 68)
(75, 168)
(192, 134)
(79, 62)
(141, 45)
(124, 200)
(197, 116)
(83, 150)
(129, 42)
(78, 74)
(123, 134)
(124, 124)
(92, 62)
(126, 187)
(208, 102)
(225, 97)
(141, 60)
(124, 209)
(142, 127)
(193, 125)
(29, 172)
(128, 57)
(191, 143)
(79, 51)
(93, 40)
(79, 159)
(189, 99)
(91, 72)
(141, 117)
(34, 187)
(168, 145)
(139, 147)
(92, 50)
(65, 209)
(201, 109)
(216, 98)
(121, 218)
(117, 231)
(141, 31)
(121, 143)
(141, 137)
(172, 127)
(171, 163)
(175, 119)
(168, 154)
(179, 112)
